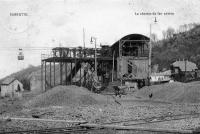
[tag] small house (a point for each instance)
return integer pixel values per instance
(11, 87)
(184, 70)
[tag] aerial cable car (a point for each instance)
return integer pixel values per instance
(20, 54)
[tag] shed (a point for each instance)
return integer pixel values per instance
(11, 87)
(185, 66)
(184, 70)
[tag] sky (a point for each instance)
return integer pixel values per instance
(53, 23)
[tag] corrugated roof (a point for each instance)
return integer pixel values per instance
(190, 66)
(8, 80)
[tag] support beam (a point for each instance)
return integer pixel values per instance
(50, 73)
(61, 73)
(80, 77)
(71, 68)
(103, 75)
(45, 75)
(42, 75)
(54, 74)
(113, 66)
(75, 67)
(65, 73)
(85, 73)
(71, 73)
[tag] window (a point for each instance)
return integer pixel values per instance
(130, 69)
(18, 88)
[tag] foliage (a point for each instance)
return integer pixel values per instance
(179, 46)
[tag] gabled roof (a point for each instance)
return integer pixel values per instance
(8, 80)
(190, 66)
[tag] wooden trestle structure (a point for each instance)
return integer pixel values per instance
(71, 61)
(126, 59)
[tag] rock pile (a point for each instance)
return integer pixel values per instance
(172, 92)
(66, 95)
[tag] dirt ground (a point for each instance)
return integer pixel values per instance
(113, 110)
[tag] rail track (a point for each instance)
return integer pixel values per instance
(127, 125)
(155, 119)
(97, 130)
(66, 130)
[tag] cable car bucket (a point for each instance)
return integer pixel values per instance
(20, 54)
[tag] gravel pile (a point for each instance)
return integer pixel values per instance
(172, 92)
(65, 96)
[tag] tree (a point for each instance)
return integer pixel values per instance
(170, 32)
(154, 37)
(181, 29)
(191, 25)
(186, 27)
(182, 46)
(164, 34)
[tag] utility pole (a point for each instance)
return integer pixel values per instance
(120, 62)
(150, 50)
(113, 67)
(95, 53)
(84, 53)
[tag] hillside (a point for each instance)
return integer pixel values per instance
(183, 45)
(24, 76)
(31, 77)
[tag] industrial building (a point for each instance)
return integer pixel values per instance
(126, 60)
